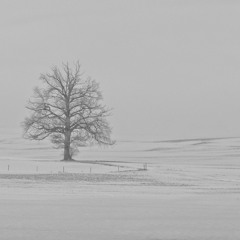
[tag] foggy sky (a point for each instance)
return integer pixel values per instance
(169, 68)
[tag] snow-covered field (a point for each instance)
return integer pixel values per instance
(190, 190)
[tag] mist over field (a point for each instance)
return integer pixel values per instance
(169, 69)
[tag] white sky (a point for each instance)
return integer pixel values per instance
(169, 68)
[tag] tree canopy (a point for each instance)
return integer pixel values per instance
(68, 108)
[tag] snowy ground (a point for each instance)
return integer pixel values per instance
(190, 190)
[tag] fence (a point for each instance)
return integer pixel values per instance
(38, 167)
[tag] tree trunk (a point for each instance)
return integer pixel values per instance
(67, 154)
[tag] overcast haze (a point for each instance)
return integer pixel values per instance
(170, 69)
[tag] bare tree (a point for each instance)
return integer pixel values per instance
(69, 110)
